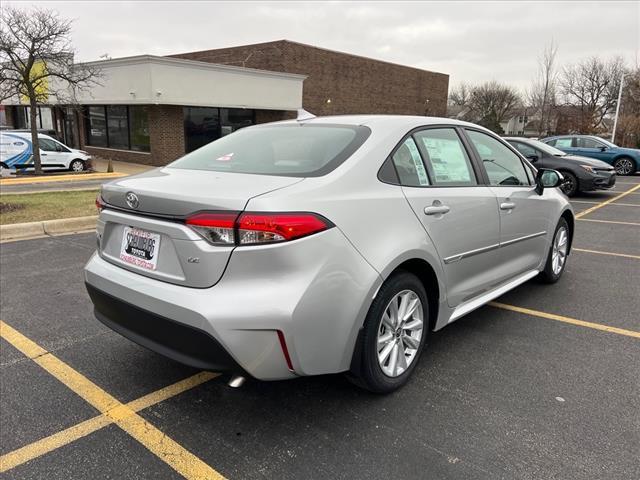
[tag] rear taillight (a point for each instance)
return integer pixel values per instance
(252, 228)
(100, 203)
(216, 228)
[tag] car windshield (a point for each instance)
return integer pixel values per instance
(546, 148)
(294, 150)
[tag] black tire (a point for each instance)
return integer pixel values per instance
(77, 166)
(570, 185)
(549, 275)
(370, 374)
(625, 166)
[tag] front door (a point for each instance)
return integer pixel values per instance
(592, 148)
(459, 214)
(51, 155)
(524, 222)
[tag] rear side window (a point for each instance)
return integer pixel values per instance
(446, 157)
(295, 150)
(525, 150)
(409, 166)
(502, 165)
(562, 143)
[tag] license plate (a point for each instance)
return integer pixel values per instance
(140, 248)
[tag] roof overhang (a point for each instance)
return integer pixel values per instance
(148, 79)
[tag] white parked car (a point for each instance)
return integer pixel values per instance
(16, 152)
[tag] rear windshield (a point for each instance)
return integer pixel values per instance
(294, 150)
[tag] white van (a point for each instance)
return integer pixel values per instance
(16, 152)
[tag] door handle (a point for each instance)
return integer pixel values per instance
(435, 210)
(507, 206)
(43, 154)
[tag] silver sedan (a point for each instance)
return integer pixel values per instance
(323, 245)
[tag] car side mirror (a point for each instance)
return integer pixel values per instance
(548, 178)
(533, 158)
(603, 148)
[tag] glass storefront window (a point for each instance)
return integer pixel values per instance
(201, 126)
(96, 127)
(118, 127)
(232, 119)
(139, 128)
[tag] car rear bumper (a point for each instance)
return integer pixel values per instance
(315, 291)
(178, 341)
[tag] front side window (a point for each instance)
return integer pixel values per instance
(502, 165)
(47, 145)
(302, 150)
(409, 166)
(446, 157)
(585, 142)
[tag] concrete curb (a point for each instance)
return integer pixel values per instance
(18, 231)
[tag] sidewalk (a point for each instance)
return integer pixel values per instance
(100, 165)
(71, 181)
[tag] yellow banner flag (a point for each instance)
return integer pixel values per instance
(38, 70)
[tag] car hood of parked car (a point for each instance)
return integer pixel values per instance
(592, 162)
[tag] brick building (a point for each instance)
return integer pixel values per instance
(154, 109)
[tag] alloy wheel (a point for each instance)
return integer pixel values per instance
(559, 250)
(400, 333)
(568, 186)
(624, 166)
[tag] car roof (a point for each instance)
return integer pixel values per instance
(26, 135)
(379, 121)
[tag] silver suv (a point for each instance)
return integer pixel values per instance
(323, 245)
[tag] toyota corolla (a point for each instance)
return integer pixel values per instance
(323, 245)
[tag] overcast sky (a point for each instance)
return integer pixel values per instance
(471, 41)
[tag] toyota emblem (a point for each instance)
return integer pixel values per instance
(132, 200)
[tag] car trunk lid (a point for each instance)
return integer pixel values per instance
(147, 234)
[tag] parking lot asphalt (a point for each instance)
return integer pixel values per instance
(545, 383)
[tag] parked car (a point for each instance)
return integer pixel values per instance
(325, 245)
(17, 153)
(626, 161)
(581, 174)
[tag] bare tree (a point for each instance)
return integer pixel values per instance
(592, 87)
(628, 128)
(542, 94)
(459, 95)
(490, 104)
(36, 55)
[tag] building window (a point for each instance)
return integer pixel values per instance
(97, 127)
(203, 125)
(118, 126)
(139, 128)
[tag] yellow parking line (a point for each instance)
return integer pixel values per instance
(52, 442)
(78, 177)
(607, 202)
(607, 221)
(611, 204)
(626, 255)
(168, 450)
(572, 321)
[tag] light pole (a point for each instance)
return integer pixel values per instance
(615, 121)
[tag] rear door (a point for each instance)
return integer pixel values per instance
(458, 212)
(524, 220)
